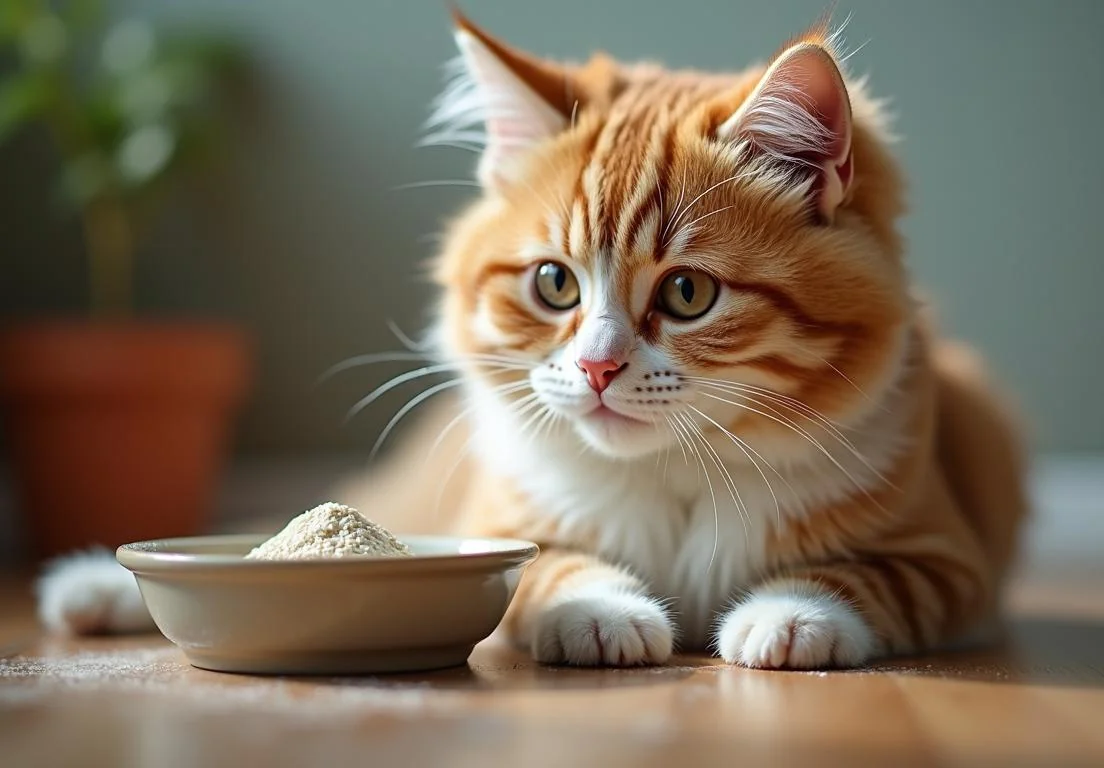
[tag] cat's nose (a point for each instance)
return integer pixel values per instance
(600, 373)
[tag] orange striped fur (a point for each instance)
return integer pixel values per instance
(806, 476)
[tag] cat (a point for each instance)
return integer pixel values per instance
(696, 373)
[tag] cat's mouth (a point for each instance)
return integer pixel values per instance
(604, 414)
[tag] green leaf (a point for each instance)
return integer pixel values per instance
(22, 99)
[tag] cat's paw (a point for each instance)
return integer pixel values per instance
(90, 593)
(603, 625)
(794, 626)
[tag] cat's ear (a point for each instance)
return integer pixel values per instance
(800, 112)
(516, 99)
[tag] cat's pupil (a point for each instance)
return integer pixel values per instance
(686, 288)
(560, 277)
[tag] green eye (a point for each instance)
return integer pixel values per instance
(556, 286)
(687, 295)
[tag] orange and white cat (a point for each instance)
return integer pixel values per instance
(694, 372)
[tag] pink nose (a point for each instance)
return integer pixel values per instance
(600, 372)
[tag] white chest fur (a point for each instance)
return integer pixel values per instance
(695, 531)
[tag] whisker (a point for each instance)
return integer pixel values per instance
(417, 400)
(840, 373)
(688, 226)
(693, 202)
(825, 423)
(540, 411)
(799, 431)
(546, 424)
(368, 359)
(709, 483)
(792, 402)
(678, 439)
(464, 451)
(444, 142)
(402, 378)
(474, 138)
(464, 414)
(752, 393)
(411, 404)
(677, 427)
(398, 357)
(737, 500)
(438, 183)
(405, 340)
(744, 447)
(678, 205)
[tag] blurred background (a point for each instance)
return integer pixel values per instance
(294, 227)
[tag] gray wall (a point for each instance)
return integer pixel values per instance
(304, 237)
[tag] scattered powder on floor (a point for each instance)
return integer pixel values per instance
(25, 680)
(330, 530)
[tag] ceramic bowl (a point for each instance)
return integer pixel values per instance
(358, 615)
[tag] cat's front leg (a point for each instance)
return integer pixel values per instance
(573, 608)
(845, 614)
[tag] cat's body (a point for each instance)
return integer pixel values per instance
(695, 374)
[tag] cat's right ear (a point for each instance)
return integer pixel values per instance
(503, 97)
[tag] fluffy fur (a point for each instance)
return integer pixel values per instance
(89, 593)
(805, 475)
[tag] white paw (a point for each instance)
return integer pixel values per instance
(89, 593)
(603, 625)
(794, 626)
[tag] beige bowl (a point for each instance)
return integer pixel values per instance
(349, 616)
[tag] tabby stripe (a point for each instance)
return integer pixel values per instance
(579, 193)
(495, 269)
(903, 598)
(883, 598)
(785, 303)
(516, 319)
(927, 599)
(647, 202)
(773, 365)
(642, 158)
(949, 594)
(663, 179)
(606, 223)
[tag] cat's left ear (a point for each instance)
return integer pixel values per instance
(517, 99)
(800, 112)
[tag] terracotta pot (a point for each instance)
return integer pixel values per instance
(118, 431)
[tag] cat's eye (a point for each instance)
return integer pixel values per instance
(687, 295)
(556, 286)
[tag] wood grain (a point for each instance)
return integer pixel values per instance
(1035, 697)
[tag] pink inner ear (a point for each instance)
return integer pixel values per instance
(801, 112)
(844, 170)
(807, 78)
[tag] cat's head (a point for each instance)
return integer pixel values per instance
(670, 251)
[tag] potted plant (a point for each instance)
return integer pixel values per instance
(117, 426)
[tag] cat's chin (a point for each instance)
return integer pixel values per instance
(619, 436)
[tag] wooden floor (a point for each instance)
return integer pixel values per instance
(1036, 700)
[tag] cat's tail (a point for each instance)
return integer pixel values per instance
(417, 490)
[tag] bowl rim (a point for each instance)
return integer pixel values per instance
(157, 555)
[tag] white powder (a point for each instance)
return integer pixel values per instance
(330, 530)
